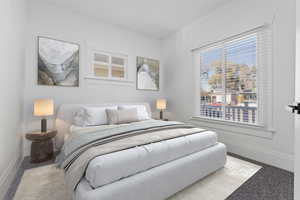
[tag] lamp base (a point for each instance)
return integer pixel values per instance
(161, 117)
(44, 125)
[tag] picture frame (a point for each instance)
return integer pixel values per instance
(57, 62)
(147, 74)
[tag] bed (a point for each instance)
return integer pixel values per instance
(143, 160)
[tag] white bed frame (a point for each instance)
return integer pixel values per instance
(157, 183)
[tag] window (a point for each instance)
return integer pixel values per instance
(109, 66)
(234, 79)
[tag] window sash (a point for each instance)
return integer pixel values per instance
(226, 112)
(110, 64)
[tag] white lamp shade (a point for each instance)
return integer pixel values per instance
(161, 104)
(43, 107)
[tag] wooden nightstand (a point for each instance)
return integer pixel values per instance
(42, 145)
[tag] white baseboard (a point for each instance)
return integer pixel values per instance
(270, 157)
(9, 174)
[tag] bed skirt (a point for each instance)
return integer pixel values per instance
(160, 182)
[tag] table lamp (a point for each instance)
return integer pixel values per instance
(43, 108)
(161, 104)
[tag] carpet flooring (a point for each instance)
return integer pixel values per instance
(269, 183)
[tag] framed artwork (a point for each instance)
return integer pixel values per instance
(58, 63)
(147, 74)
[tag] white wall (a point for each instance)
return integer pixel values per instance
(297, 99)
(234, 18)
(48, 20)
(297, 81)
(12, 40)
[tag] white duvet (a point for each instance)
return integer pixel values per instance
(112, 167)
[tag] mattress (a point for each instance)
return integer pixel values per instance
(112, 167)
(160, 182)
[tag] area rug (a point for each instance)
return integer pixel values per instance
(47, 183)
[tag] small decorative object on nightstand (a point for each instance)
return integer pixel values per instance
(42, 145)
(161, 104)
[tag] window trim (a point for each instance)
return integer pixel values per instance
(265, 116)
(233, 127)
(91, 75)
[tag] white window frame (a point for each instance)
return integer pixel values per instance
(265, 125)
(91, 74)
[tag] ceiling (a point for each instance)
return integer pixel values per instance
(156, 18)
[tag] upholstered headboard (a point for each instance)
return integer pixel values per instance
(65, 113)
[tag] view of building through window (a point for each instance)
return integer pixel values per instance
(228, 81)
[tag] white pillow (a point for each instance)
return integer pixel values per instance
(122, 116)
(141, 111)
(91, 116)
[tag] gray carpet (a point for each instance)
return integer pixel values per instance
(269, 183)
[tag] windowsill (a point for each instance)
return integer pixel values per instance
(109, 79)
(230, 123)
(233, 127)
